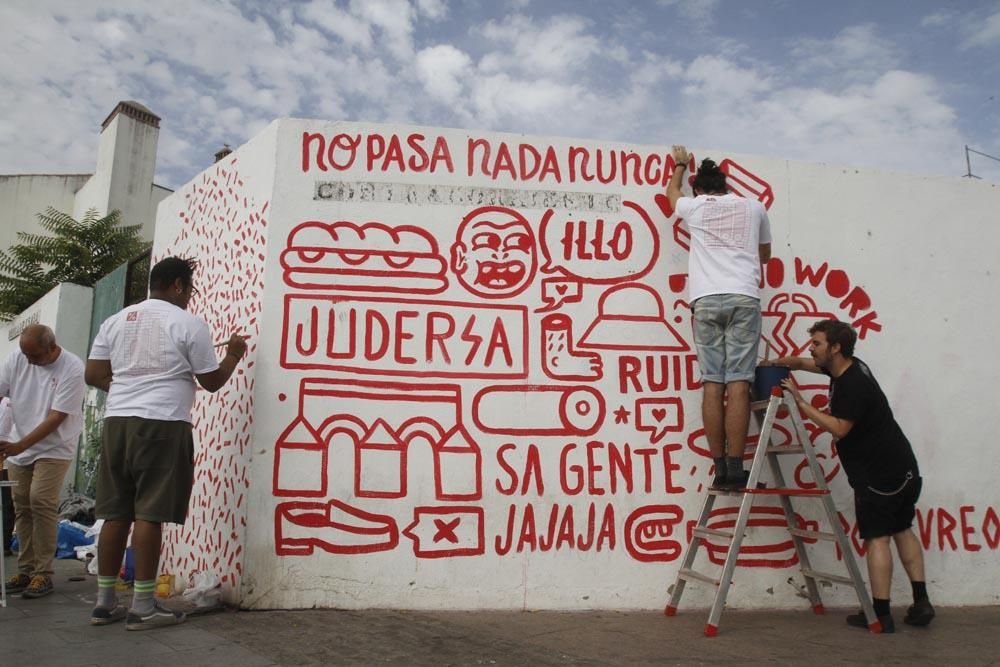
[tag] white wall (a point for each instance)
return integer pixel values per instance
(126, 161)
(399, 475)
(220, 218)
(23, 197)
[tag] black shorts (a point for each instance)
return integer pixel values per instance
(885, 512)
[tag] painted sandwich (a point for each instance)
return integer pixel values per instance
(370, 257)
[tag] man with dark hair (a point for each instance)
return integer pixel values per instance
(878, 460)
(730, 239)
(45, 386)
(147, 357)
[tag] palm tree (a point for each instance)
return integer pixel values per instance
(78, 251)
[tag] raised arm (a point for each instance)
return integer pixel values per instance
(681, 159)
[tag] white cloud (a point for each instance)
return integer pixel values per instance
(441, 69)
(350, 29)
(855, 52)
(699, 12)
(559, 47)
(986, 33)
(433, 9)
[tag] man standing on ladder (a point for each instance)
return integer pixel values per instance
(879, 463)
(730, 239)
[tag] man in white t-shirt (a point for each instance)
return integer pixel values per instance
(730, 239)
(148, 357)
(45, 386)
(6, 425)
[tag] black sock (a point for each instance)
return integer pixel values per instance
(919, 590)
(881, 607)
(734, 467)
(720, 465)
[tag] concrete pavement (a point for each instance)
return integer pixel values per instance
(54, 631)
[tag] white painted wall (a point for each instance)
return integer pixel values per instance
(221, 219)
(332, 515)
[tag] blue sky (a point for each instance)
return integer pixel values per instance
(896, 85)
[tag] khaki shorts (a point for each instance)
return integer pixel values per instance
(146, 470)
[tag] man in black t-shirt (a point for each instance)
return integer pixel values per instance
(878, 460)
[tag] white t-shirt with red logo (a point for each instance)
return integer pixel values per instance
(155, 349)
(34, 391)
(725, 232)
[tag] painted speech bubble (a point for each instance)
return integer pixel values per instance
(607, 250)
(659, 416)
(557, 291)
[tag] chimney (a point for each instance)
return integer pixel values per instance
(223, 152)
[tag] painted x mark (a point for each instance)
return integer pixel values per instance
(446, 530)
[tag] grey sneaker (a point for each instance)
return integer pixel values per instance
(159, 617)
(105, 616)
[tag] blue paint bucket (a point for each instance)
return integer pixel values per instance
(767, 378)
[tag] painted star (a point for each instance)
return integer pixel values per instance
(621, 415)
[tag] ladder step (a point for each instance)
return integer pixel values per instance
(807, 493)
(759, 405)
(690, 575)
(778, 449)
(840, 579)
(712, 532)
(812, 534)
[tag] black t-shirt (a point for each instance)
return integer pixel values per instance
(875, 452)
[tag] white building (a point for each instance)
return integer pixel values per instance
(123, 179)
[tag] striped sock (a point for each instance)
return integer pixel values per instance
(107, 597)
(142, 595)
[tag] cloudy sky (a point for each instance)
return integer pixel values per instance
(898, 85)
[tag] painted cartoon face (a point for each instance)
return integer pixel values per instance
(494, 253)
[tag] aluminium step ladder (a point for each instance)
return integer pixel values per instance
(769, 452)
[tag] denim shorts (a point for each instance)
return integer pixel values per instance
(727, 336)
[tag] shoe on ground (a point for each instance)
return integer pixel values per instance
(921, 613)
(17, 583)
(40, 586)
(737, 483)
(105, 616)
(858, 620)
(159, 617)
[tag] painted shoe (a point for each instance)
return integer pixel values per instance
(40, 586)
(334, 526)
(159, 617)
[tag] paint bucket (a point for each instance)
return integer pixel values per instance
(767, 378)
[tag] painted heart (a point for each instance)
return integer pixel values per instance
(562, 289)
(659, 414)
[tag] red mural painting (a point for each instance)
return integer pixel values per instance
(549, 316)
(381, 420)
(346, 256)
(494, 252)
(334, 526)
(445, 532)
(224, 226)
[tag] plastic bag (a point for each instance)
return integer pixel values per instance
(205, 590)
(71, 534)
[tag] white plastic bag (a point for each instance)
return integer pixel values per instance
(205, 590)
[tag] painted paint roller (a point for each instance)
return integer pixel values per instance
(533, 410)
